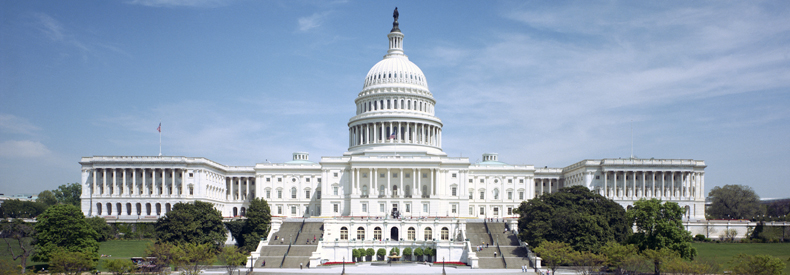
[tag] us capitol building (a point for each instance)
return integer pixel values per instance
(394, 178)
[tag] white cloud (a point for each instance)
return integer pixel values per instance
(181, 3)
(312, 21)
(22, 149)
(16, 125)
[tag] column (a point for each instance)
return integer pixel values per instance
(433, 181)
(125, 189)
(373, 183)
(643, 184)
(633, 184)
(399, 137)
(418, 185)
(402, 191)
(356, 181)
(672, 183)
(663, 184)
(94, 188)
(104, 181)
(172, 182)
(389, 183)
(181, 187)
(606, 184)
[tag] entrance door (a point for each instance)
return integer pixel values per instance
(394, 234)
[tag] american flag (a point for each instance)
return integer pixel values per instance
(159, 128)
(392, 136)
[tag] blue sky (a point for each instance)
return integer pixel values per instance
(547, 83)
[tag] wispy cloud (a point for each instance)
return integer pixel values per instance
(58, 33)
(16, 125)
(313, 21)
(22, 149)
(181, 3)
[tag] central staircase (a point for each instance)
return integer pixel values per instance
(295, 242)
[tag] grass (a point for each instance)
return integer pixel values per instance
(119, 249)
(724, 252)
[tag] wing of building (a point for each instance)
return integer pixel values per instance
(394, 176)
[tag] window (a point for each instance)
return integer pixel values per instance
(381, 208)
(364, 190)
(425, 207)
(293, 210)
(394, 175)
(307, 179)
(496, 194)
(334, 190)
(428, 234)
(496, 211)
(471, 194)
(377, 233)
(360, 233)
(191, 191)
(445, 234)
(280, 209)
(306, 194)
(268, 179)
(521, 181)
(190, 175)
(364, 175)
(279, 179)
(344, 233)
(364, 207)
(424, 175)
(408, 175)
(408, 208)
(510, 211)
(319, 180)
(482, 210)
(335, 174)
(509, 180)
(382, 175)
(336, 207)
(482, 195)
(454, 175)
(455, 208)
(293, 192)
(318, 194)
(471, 210)
(482, 181)
(597, 177)
(455, 190)
(470, 181)
(268, 194)
(509, 195)
(410, 234)
(521, 195)
(279, 194)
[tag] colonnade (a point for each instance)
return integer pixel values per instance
(389, 188)
(239, 188)
(658, 184)
(395, 132)
(138, 182)
(546, 185)
(395, 103)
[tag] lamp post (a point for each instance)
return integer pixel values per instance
(344, 266)
(443, 272)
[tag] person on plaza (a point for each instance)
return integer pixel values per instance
(300, 265)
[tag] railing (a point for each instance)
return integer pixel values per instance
(500, 253)
(286, 253)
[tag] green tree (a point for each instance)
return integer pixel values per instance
(196, 222)
(232, 258)
(162, 253)
(191, 258)
(418, 252)
(370, 253)
(47, 198)
(574, 215)
(756, 265)
(355, 254)
(18, 209)
(69, 194)
(660, 225)
(381, 253)
(257, 225)
(586, 261)
(617, 255)
(429, 252)
(734, 202)
(554, 254)
(100, 225)
(659, 257)
(120, 266)
(395, 251)
(407, 252)
(70, 262)
(64, 226)
(18, 234)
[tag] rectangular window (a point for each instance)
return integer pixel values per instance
(470, 181)
(279, 194)
(455, 190)
(471, 194)
(482, 195)
(454, 175)
(268, 179)
(455, 208)
(424, 175)
(293, 210)
(510, 211)
(510, 195)
(364, 175)
(521, 195)
(279, 179)
(293, 194)
(509, 180)
(471, 210)
(307, 179)
(279, 209)
(521, 181)
(597, 177)
(318, 195)
(306, 194)
(319, 180)
(334, 190)
(364, 207)
(482, 210)
(268, 194)
(408, 175)
(394, 175)
(482, 181)
(381, 208)
(190, 190)
(382, 175)
(190, 175)
(408, 208)
(336, 207)
(496, 211)
(335, 173)
(425, 207)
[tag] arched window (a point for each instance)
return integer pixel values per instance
(377, 233)
(235, 211)
(360, 233)
(293, 192)
(496, 194)
(428, 234)
(109, 208)
(445, 234)
(98, 208)
(344, 233)
(410, 234)
(395, 190)
(167, 208)
(128, 208)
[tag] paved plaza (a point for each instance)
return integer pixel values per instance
(367, 268)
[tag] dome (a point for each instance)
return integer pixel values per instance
(395, 69)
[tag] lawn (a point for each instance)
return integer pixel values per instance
(723, 252)
(118, 249)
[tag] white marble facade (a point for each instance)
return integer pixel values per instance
(394, 161)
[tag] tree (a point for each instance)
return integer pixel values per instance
(757, 265)
(660, 225)
(17, 209)
(259, 219)
(370, 253)
(586, 261)
(22, 235)
(47, 198)
(574, 215)
(395, 251)
(407, 252)
(381, 253)
(100, 225)
(120, 266)
(191, 258)
(660, 256)
(430, 252)
(734, 202)
(69, 194)
(617, 255)
(196, 222)
(70, 262)
(679, 266)
(64, 226)
(554, 254)
(418, 253)
(232, 258)
(355, 254)
(162, 253)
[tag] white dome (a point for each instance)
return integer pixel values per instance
(395, 69)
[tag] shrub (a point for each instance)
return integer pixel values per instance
(381, 252)
(407, 251)
(699, 238)
(370, 253)
(395, 251)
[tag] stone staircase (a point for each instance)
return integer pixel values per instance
(476, 233)
(297, 252)
(515, 256)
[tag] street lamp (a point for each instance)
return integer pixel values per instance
(344, 266)
(443, 272)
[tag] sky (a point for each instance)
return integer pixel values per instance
(547, 83)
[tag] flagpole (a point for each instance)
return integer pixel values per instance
(160, 138)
